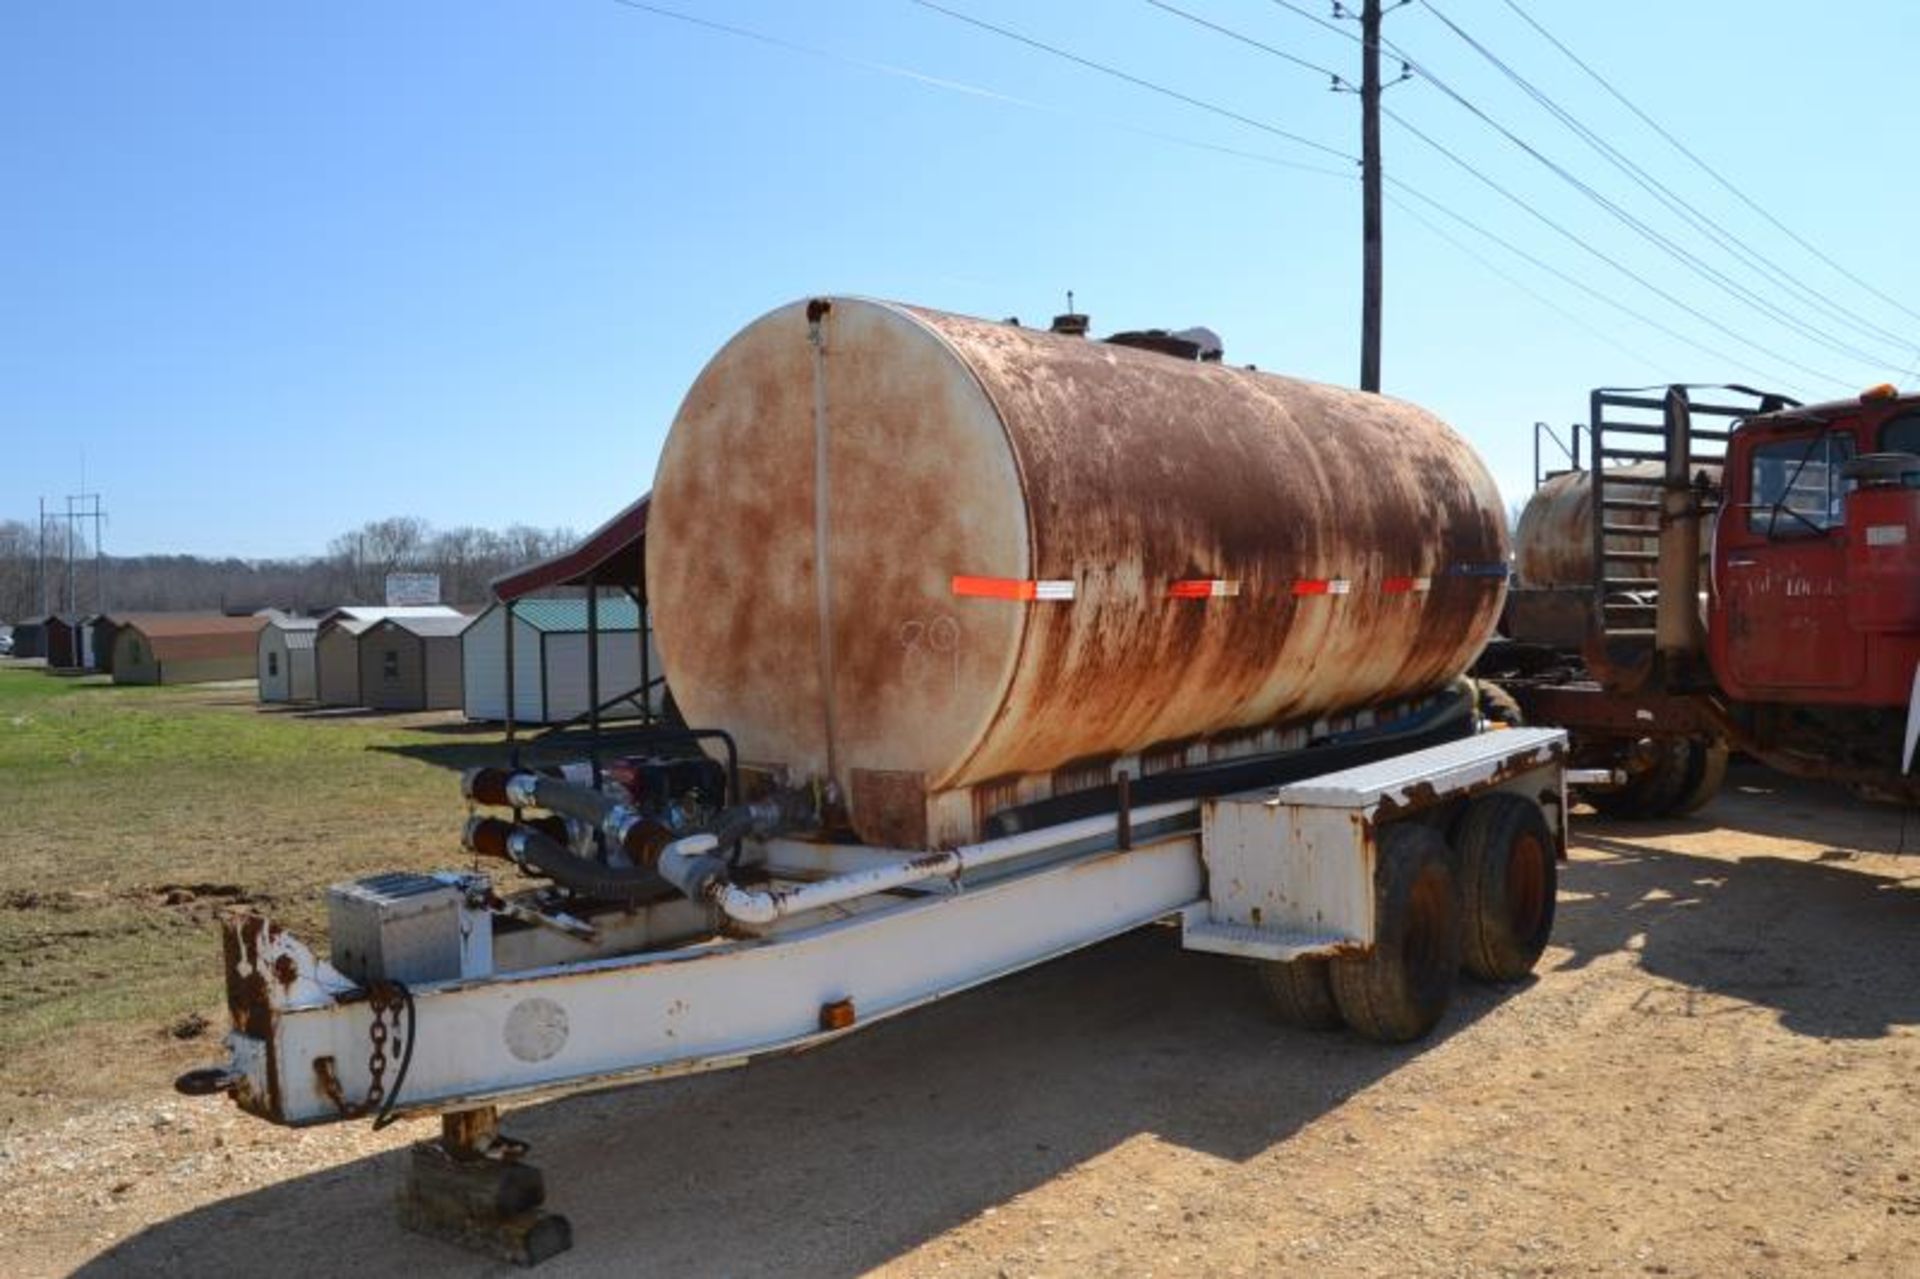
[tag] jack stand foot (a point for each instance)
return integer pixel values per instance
(470, 1188)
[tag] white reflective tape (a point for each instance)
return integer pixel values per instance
(1053, 590)
(1886, 535)
(1339, 586)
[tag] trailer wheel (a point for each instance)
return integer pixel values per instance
(1300, 992)
(1509, 881)
(1400, 989)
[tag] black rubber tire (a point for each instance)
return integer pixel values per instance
(1300, 992)
(1498, 706)
(1686, 773)
(1652, 791)
(1706, 770)
(1509, 879)
(1399, 989)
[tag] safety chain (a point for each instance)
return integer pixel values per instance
(385, 1003)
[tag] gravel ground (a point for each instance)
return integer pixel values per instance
(1716, 1073)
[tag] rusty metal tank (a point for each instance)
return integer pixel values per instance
(906, 554)
(1553, 543)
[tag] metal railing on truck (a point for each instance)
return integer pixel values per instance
(1651, 424)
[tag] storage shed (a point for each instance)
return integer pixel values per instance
(98, 634)
(411, 663)
(287, 661)
(184, 648)
(550, 660)
(62, 643)
(336, 664)
(30, 636)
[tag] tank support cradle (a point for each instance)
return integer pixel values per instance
(471, 1188)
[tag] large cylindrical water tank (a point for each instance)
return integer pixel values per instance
(1553, 543)
(906, 552)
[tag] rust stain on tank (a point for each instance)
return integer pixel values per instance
(956, 446)
(1553, 544)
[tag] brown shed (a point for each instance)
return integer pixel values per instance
(337, 661)
(183, 648)
(412, 664)
(62, 643)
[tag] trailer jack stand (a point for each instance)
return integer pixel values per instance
(470, 1188)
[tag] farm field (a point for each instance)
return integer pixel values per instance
(1717, 1071)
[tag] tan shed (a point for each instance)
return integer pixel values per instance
(412, 664)
(336, 663)
(184, 648)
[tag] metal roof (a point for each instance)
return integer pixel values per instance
(427, 627)
(617, 613)
(613, 555)
(378, 612)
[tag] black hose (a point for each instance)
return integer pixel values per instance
(594, 879)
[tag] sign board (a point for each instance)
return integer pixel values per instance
(404, 589)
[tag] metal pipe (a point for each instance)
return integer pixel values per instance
(765, 906)
(593, 674)
(1678, 634)
(513, 747)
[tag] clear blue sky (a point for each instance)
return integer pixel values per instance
(281, 268)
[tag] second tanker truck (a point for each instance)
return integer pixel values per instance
(1733, 571)
(991, 643)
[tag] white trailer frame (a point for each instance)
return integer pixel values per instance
(671, 988)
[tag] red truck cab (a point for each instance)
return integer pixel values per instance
(1815, 587)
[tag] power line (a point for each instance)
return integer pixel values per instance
(1403, 187)
(1549, 222)
(1623, 269)
(1678, 253)
(974, 90)
(1729, 242)
(1441, 233)
(1706, 168)
(1588, 290)
(1132, 79)
(1334, 76)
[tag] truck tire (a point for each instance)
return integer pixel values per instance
(1300, 992)
(1399, 990)
(1649, 792)
(1509, 879)
(1498, 706)
(1685, 774)
(1706, 770)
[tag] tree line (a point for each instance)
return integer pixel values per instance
(353, 570)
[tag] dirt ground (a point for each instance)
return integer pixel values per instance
(1716, 1073)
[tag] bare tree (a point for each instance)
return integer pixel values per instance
(353, 571)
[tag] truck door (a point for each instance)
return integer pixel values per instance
(1784, 575)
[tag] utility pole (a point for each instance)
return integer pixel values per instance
(1370, 271)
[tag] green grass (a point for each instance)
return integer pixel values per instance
(129, 817)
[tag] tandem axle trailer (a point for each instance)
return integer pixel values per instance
(1358, 894)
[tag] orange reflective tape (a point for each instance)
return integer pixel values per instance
(1012, 588)
(1202, 588)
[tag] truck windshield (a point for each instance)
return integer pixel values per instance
(1796, 488)
(1901, 434)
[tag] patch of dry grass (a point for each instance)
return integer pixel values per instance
(130, 817)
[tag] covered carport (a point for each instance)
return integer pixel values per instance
(612, 557)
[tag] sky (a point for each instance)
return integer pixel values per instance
(268, 271)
